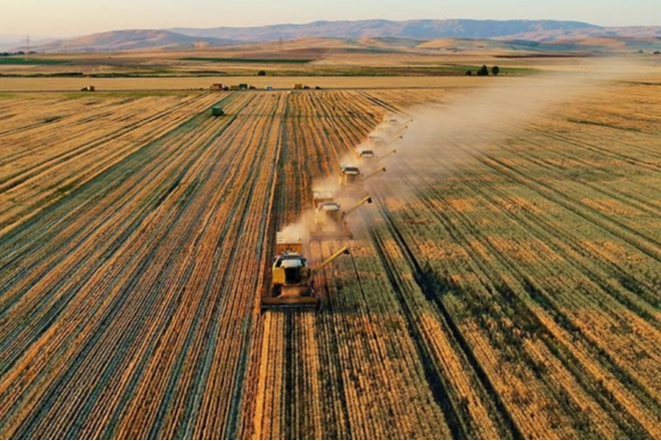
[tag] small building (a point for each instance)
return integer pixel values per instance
(235, 87)
(243, 86)
(216, 87)
(298, 86)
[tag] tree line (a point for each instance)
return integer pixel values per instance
(484, 71)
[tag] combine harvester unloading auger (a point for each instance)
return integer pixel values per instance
(292, 280)
(330, 221)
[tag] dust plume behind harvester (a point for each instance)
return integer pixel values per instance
(292, 279)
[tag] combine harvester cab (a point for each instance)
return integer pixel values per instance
(291, 284)
(352, 181)
(365, 155)
(350, 177)
(330, 221)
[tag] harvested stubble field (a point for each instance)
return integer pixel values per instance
(513, 293)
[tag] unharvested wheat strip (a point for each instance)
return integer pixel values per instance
(455, 372)
(262, 368)
(394, 381)
(511, 386)
(547, 426)
(600, 423)
(432, 341)
(620, 393)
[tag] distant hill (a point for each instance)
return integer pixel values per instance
(415, 29)
(127, 40)
(512, 34)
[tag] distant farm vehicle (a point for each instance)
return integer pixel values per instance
(366, 154)
(217, 111)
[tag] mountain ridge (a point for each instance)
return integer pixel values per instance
(542, 31)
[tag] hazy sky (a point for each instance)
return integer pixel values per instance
(77, 17)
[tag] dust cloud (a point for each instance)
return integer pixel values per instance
(443, 138)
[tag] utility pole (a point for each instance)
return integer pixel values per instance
(28, 51)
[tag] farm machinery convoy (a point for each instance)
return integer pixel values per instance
(291, 283)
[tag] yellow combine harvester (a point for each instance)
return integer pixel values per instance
(291, 284)
(351, 179)
(330, 221)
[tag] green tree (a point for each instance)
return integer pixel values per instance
(495, 71)
(484, 71)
